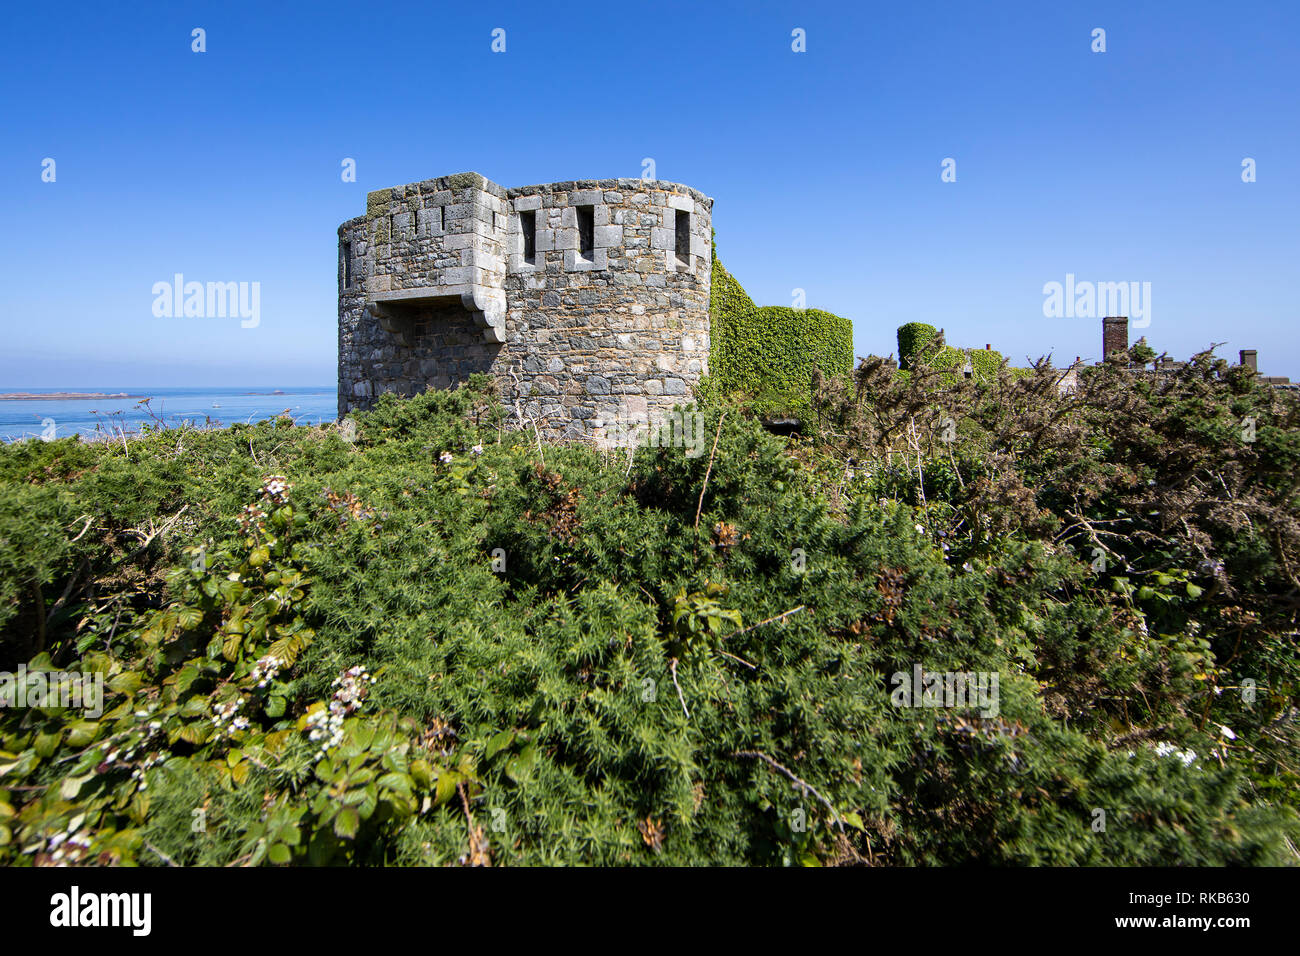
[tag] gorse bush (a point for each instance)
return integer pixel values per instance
(428, 641)
(1176, 493)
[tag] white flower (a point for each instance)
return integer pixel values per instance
(323, 724)
(1227, 732)
(920, 529)
(1166, 749)
(445, 458)
(276, 487)
(476, 450)
(266, 669)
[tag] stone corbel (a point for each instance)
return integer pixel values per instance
(487, 314)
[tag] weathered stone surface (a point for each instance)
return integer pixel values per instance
(441, 288)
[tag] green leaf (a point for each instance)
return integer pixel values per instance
(127, 682)
(422, 774)
(189, 618)
(186, 676)
(195, 733)
(71, 786)
(396, 781)
(519, 767)
(279, 854)
(347, 823)
(81, 732)
(499, 743)
(362, 734)
(446, 788)
(46, 744)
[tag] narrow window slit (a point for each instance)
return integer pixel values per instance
(528, 226)
(586, 230)
(683, 237)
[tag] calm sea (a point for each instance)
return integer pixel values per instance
(35, 418)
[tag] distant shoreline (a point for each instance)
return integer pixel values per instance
(61, 396)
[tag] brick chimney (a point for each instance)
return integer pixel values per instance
(1114, 334)
(1249, 359)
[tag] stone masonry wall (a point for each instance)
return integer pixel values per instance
(601, 319)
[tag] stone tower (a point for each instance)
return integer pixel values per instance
(589, 301)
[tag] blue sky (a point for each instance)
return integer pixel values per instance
(825, 165)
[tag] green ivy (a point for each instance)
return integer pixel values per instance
(919, 343)
(914, 339)
(770, 352)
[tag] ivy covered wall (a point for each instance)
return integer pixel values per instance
(769, 352)
(919, 343)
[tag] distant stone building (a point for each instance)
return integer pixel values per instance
(589, 300)
(1114, 338)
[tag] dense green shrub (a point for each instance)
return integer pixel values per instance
(1141, 352)
(689, 660)
(1177, 492)
(769, 353)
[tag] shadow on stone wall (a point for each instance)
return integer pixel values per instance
(430, 347)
